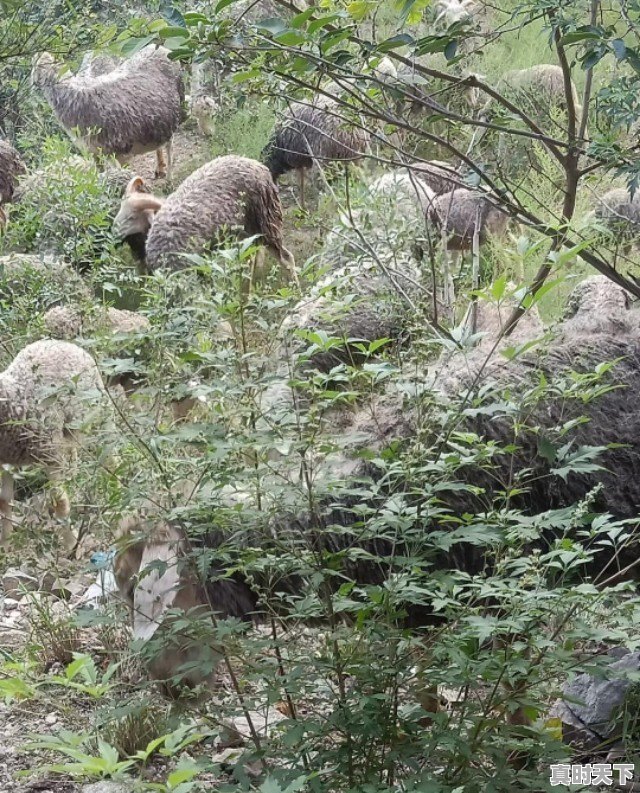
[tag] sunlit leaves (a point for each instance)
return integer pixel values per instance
(359, 9)
(131, 46)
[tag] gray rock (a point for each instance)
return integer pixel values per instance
(107, 787)
(50, 583)
(589, 704)
(15, 582)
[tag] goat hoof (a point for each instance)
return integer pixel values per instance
(160, 175)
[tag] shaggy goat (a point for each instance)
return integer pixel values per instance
(143, 543)
(97, 64)
(204, 109)
(66, 323)
(128, 329)
(461, 211)
(540, 90)
(133, 109)
(309, 133)
(451, 11)
(358, 304)
(586, 339)
(371, 284)
(45, 400)
(465, 219)
(33, 284)
(543, 83)
(11, 167)
(229, 194)
(440, 176)
(597, 305)
(137, 212)
(407, 188)
(126, 334)
(619, 212)
(613, 417)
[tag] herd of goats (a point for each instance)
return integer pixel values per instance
(124, 108)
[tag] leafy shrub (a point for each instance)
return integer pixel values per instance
(131, 727)
(66, 209)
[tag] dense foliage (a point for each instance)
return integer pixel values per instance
(335, 689)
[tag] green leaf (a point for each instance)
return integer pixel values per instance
(482, 627)
(299, 20)
(272, 25)
(290, 38)
(181, 775)
(242, 77)
(322, 22)
(174, 43)
(530, 299)
(173, 16)
(359, 9)
(430, 44)
(223, 4)
(192, 18)
(579, 35)
(580, 461)
(169, 32)
(498, 288)
(593, 58)
(619, 48)
(401, 40)
(546, 449)
(333, 39)
(76, 666)
(108, 753)
(271, 785)
(131, 46)
(145, 754)
(16, 688)
(518, 349)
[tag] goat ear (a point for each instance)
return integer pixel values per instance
(136, 185)
(145, 202)
(126, 564)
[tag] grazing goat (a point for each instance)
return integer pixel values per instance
(133, 109)
(612, 418)
(461, 211)
(619, 212)
(50, 391)
(539, 91)
(229, 194)
(451, 11)
(466, 218)
(11, 167)
(309, 133)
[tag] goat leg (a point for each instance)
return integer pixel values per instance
(6, 497)
(161, 165)
(169, 159)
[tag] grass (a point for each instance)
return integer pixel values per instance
(243, 131)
